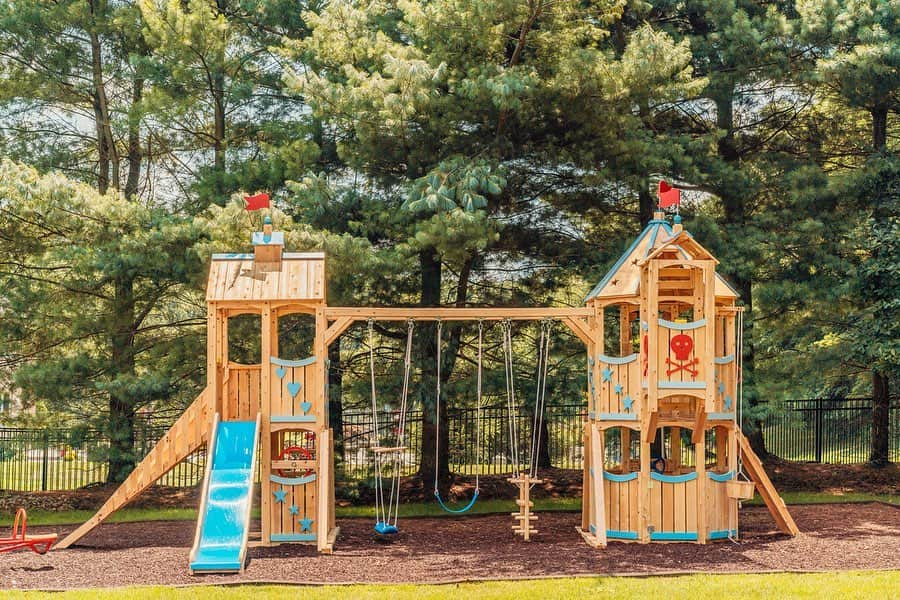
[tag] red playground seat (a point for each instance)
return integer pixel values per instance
(38, 543)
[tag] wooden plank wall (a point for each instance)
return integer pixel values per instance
(629, 377)
(673, 506)
(242, 393)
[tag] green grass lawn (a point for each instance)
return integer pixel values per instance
(851, 584)
(418, 509)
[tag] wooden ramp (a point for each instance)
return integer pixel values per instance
(754, 468)
(188, 434)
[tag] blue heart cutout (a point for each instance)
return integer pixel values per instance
(305, 406)
(293, 388)
(280, 371)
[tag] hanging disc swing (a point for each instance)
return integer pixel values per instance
(437, 433)
(386, 512)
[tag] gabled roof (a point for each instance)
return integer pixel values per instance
(623, 279)
(683, 242)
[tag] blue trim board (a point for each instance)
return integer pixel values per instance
(724, 360)
(722, 534)
(617, 417)
(674, 536)
(615, 534)
(292, 480)
(617, 360)
(292, 363)
(673, 478)
(721, 477)
(720, 416)
(620, 478)
(682, 385)
(293, 537)
(232, 256)
(293, 418)
(683, 326)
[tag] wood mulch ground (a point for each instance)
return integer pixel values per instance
(845, 536)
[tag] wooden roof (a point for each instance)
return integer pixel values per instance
(234, 277)
(623, 279)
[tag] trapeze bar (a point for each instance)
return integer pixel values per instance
(455, 314)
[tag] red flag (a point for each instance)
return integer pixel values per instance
(668, 196)
(257, 202)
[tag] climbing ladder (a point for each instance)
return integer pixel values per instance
(754, 468)
(524, 516)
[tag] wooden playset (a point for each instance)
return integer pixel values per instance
(663, 452)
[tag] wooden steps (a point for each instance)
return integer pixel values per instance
(757, 473)
(188, 434)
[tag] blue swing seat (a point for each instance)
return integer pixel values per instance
(457, 511)
(386, 528)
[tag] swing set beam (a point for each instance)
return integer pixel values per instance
(344, 316)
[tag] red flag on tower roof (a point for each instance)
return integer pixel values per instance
(668, 196)
(257, 201)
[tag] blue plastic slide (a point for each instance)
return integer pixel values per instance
(220, 544)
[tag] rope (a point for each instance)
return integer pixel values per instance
(387, 513)
(540, 394)
(511, 405)
(437, 493)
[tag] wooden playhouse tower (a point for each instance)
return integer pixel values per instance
(662, 441)
(288, 393)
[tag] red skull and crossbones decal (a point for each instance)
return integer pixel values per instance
(682, 345)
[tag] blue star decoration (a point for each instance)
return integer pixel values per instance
(721, 388)
(607, 374)
(627, 403)
(727, 402)
(280, 495)
(294, 510)
(305, 524)
(618, 388)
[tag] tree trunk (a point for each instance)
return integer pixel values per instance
(106, 147)
(734, 204)
(135, 156)
(121, 405)
(218, 94)
(647, 205)
(335, 392)
(879, 127)
(430, 266)
(881, 423)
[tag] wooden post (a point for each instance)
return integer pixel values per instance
(586, 496)
(702, 517)
(675, 443)
(646, 484)
(597, 491)
(268, 344)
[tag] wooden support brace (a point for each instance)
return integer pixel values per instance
(336, 329)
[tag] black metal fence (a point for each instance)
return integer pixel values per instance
(835, 431)
(829, 431)
(65, 459)
(494, 454)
